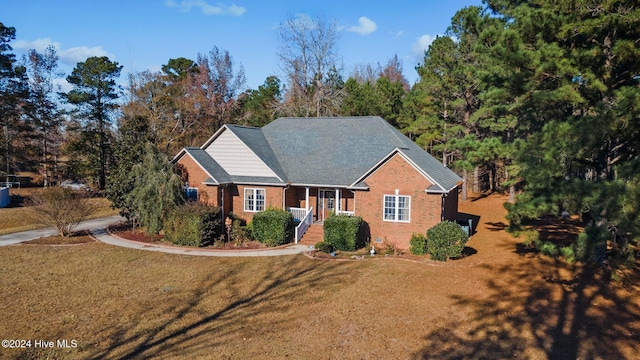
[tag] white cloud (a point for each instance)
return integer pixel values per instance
(67, 56)
(207, 9)
(422, 44)
(365, 26)
(80, 53)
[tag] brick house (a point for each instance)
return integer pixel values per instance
(317, 166)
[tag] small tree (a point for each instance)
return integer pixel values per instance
(62, 208)
(156, 190)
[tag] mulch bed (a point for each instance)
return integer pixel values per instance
(124, 231)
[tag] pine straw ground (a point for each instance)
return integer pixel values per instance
(495, 303)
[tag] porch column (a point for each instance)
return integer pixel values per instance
(337, 201)
(306, 198)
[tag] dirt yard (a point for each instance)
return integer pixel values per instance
(496, 303)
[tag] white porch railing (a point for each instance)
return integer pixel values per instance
(347, 213)
(305, 222)
(298, 213)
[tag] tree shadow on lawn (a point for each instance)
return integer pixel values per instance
(542, 308)
(220, 312)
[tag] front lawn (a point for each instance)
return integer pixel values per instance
(496, 303)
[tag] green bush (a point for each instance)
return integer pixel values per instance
(548, 248)
(568, 253)
(273, 227)
(343, 231)
(446, 240)
(531, 237)
(418, 244)
(193, 224)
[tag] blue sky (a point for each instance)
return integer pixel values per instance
(145, 34)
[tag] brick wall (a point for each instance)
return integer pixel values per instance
(273, 198)
(195, 176)
(398, 174)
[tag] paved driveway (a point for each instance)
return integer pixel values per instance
(97, 228)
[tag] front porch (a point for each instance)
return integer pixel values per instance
(313, 205)
(322, 201)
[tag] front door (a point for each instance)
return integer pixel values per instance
(326, 203)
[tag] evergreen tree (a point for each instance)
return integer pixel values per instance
(129, 151)
(261, 106)
(43, 109)
(13, 94)
(94, 94)
(571, 80)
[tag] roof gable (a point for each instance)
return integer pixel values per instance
(235, 155)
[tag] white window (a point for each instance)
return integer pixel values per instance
(253, 200)
(397, 208)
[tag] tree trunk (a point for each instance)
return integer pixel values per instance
(464, 185)
(476, 180)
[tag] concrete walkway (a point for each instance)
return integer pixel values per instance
(97, 228)
(22, 236)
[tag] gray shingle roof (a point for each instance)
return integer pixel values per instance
(218, 174)
(337, 151)
(332, 152)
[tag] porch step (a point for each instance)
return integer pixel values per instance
(313, 235)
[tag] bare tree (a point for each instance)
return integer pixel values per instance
(393, 72)
(62, 208)
(216, 86)
(308, 56)
(188, 101)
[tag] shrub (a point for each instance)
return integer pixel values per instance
(273, 227)
(568, 253)
(342, 232)
(418, 244)
(193, 224)
(62, 208)
(391, 248)
(531, 237)
(446, 240)
(548, 248)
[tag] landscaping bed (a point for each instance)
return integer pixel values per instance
(124, 231)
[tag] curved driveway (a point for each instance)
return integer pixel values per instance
(97, 228)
